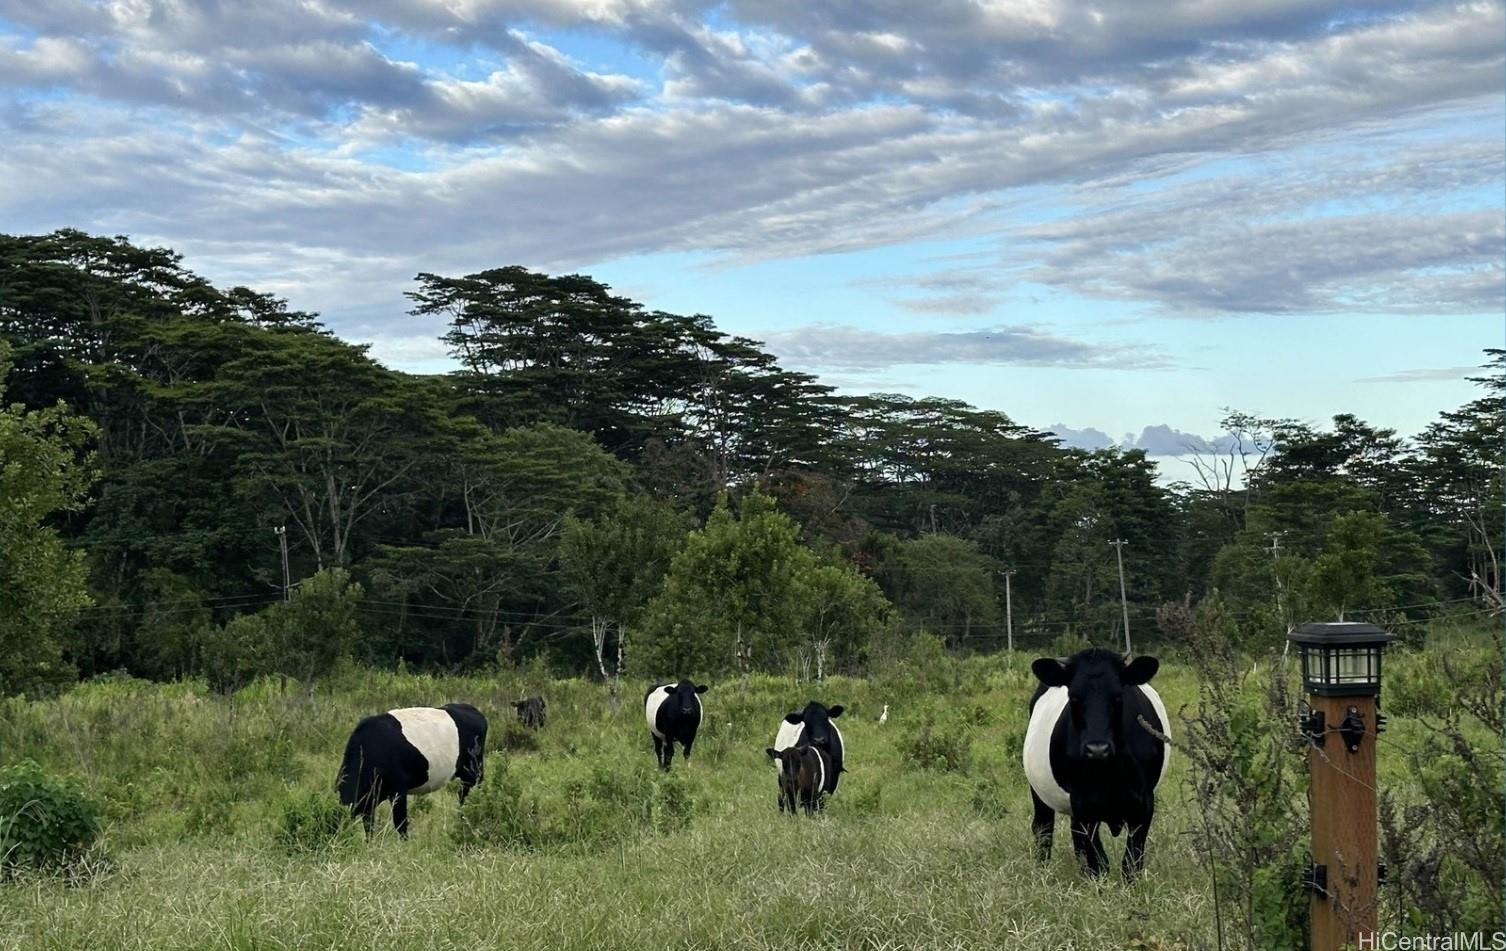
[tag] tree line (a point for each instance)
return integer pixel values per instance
(611, 488)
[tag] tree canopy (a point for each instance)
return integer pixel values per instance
(592, 466)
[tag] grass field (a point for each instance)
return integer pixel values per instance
(906, 855)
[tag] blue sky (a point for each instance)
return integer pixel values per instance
(1102, 217)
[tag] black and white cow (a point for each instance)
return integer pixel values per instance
(531, 712)
(410, 751)
(813, 727)
(673, 712)
(1088, 756)
(802, 777)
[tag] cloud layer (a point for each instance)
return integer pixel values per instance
(1199, 159)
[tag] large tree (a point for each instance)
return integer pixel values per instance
(744, 594)
(44, 471)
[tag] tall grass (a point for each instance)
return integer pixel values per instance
(603, 851)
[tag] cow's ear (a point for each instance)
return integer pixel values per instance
(794, 719)
(700, 688)
(1140, 670)
(1050, 671)
(773, 753)
(835, 711)
(519, 703)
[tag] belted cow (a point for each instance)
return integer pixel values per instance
(673, 712)
(813, 727)
(411, 751)
(1092, 752)
(802, 777)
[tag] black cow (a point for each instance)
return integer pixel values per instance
(414, 750)
(1088, 756)
(531, 712)
(673, 712)
(802, 777)
(813, 727)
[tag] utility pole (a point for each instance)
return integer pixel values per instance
(1009, 609)
(1275, 538)
(281, 532)
(1119, 544)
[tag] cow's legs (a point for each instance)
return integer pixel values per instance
(685, 748)
(400, 814)
(1134, 848)
(658, 750)
(465, 790)
(367, 809)
(1089, 847)
(1044, 827)
(669, 753)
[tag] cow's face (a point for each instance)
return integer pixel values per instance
(1095, 680)
(817, 719)
(683, 697)
(789, 764)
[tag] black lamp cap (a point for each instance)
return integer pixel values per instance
(1340, 634)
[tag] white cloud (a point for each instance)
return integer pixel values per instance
(851, 348)
(774, 129)
(1087, 438)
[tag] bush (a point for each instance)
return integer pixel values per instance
(315, 822)
(867, 801)
(496, 815)
(919, 667)
(946, 747)
(1248, 774)
(46, 824)
(604, 805)
(1444, 851)
(515, 737)
(990, 798)
(1070, 642)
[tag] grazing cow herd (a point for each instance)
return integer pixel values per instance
(1095, 751)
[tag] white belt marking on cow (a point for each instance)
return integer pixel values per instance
(789, 735)
(433, 733)
(651, 705)
(1160, 708)
(1037, 754)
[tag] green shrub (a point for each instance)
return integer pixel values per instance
(496, 815)
(867, 801)
(945, 747)
(516, 738)
(1068, 643)
(990, 798)
(605, 804)
(46, 824)
(675, 802)
(314, 822)
(1444, 850)
(210, 820)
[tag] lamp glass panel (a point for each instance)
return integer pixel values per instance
(1312, 665)
(1355, 665)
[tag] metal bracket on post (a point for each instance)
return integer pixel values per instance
(1315, 879)
(1312, 724)
(1352, 729)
